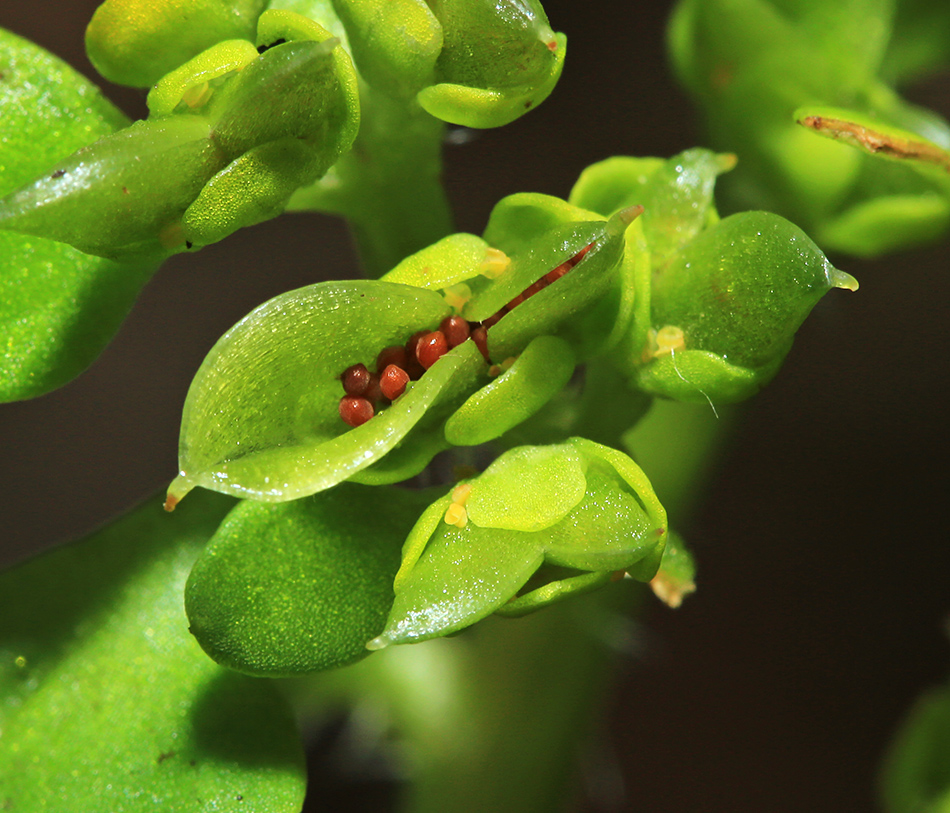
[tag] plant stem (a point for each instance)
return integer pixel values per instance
(389, 185)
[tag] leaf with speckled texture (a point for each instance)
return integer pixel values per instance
(58, 306)
(109, 704)
(300, 586)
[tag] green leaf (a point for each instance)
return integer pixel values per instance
(109, 703)
(301, 586)
(58, 306)
(614, 183)
(916, 771)
(136, 42)
(578, 505)
(262, 415)
(498, 60)
(725, 310)
(395, 43)
(527, 489)
(536, 376)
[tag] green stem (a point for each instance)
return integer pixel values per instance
(389, 185)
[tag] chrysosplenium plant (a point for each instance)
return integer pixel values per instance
(538, 345)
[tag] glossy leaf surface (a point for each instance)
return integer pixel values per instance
(136, 42)
(110, 704)
(58, 306)
(300, 586)
(578, 504)
(262, 419)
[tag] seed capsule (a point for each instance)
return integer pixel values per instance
(355, 410)
(393, 382)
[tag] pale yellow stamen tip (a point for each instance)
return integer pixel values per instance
(668, 339)
(495, 263)
(456, 515)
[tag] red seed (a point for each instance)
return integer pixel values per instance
(396, 354)
(355, 379)
(480, 337)
(373, 392)
(431, 348)
(355, 410)
(393, 382)
(456, 330)
(413, 341)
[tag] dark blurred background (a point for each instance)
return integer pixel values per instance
(822, 546)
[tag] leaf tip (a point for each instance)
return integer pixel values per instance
(842, 279)
(179, 487)
(379, 642)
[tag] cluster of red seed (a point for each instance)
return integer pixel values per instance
(396, 366)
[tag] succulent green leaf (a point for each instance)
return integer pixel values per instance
(110, 704)
(262, 419)
(117, 198)
(739, 291)
(542, 370)
(916, 770)
(276, 124)
(58, 306)
(678, 201)
(300, 586)
(464, 575)
(137, 42)
(888, 223)
(487, 107)
(192, 84)
(498, 60)
(552, 309)
(518, 220)
(493, 43)
(449, 261)
(395, 43)
(614, 183)
(578, 505)
(527, 489)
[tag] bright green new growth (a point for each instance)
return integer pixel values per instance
(577, 505)
(763, 70)
(58, 306)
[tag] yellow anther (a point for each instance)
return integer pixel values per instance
(496, 262)
(668, 339)
(456, 515)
